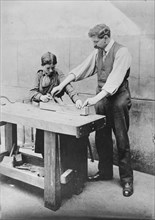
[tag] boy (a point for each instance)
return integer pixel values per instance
(46, 79)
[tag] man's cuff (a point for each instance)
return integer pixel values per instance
(110, 91)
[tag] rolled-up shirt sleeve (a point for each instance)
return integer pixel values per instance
(86, 69)
(121, 64)
(69, 89)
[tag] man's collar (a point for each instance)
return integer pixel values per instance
(108, 47)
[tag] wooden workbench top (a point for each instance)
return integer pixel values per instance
(29, 115)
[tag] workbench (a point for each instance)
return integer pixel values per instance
(65, 149)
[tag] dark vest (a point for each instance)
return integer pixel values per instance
(107, 66)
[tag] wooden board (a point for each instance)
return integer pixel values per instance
(67, 176)
(66, 109)
(32, 116)
(21, 175)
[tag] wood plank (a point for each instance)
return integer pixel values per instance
(10, 136)
(65, 109)
(67, 176)
(24, 176)
(52, 191)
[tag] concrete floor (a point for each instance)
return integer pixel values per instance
(101, 199)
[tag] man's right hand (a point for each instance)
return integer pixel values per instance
(44, 98)
(56, 90)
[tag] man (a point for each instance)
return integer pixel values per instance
(111, 62)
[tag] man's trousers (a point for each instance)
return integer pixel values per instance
(116, 109)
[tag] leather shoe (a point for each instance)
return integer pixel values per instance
(98, 177)
(127, 189)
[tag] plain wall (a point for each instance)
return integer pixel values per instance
(31, 28)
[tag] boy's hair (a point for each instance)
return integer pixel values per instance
(48, 58)
(100, 31)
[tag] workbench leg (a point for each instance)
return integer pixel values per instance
(81, 155)
(52, 185)
(10, 136)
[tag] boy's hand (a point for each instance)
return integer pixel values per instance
(56, 90)
(78, 104)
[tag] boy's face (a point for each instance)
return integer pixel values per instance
(49, 68)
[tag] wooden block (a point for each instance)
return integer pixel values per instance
(17, 160)
(2, 154)
(67, 176)
(66, 109)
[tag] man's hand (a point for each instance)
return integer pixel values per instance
(56, 90)
(78, 104)
(45, 98)
(95, 99)
(49, 96)
(90, 101)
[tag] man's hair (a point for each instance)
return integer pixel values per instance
(48, 58)
(99, 31)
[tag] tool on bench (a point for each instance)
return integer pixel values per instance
(8, 160)
(14, 158)
(32, 168)
(17, 159)
(24, 166)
